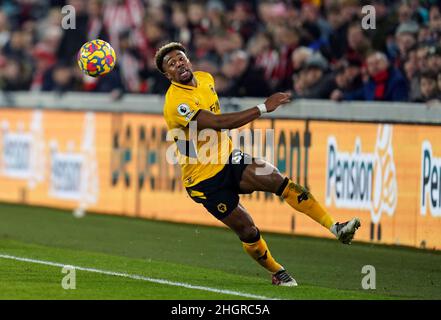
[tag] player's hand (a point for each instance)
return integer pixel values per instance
(276, 100)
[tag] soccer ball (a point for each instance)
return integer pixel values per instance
(96, 58)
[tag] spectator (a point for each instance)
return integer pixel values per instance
(273, 14)
(17, 46)
(410, 69)
(129, 62)
(216, 15)
(73, 39)
(196, 16)
(110, 82)
(242, 20)
(153, 35)
(434, 58)
(435, 22)
(347, 79)
(4, 29)
(153, 81)
(60, 78)
(14, 74)
(206, 65)
(405, 13)
(287, 40)
(44, 57)
(312, 81)
(439, 82)
(226, 42)
(358, 43)
(420, 13)
(422, 54)
(203, 47)
(424, 35)
(299, 58)
(122, 15)
(247, 81)
(385, 25)
(50, 24)
(350, 9)
(405, 38)
(353, 75)
(222, 84)
(429, 87)
(336, 44)
(95, 25)
(385, 83)
(180, 29)
(316, 28)
(338, 85)
(262, 49)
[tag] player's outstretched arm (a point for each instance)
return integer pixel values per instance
(206, 119)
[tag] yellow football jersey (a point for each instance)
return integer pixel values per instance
(201, 153)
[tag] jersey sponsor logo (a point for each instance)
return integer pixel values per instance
(430, 181)
(183, 109)
(215, 107)
(363, 181)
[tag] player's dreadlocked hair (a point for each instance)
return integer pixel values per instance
(164, 50)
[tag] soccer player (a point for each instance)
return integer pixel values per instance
(217, 179)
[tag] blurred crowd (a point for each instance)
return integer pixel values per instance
(317, 49)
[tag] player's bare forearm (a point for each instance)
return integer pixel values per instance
(206, 119)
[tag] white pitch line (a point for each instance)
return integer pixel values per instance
(139, 277)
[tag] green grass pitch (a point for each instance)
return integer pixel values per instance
(198, 262)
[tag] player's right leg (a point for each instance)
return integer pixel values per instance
(224, 205)
(240, 221)
(219, 195)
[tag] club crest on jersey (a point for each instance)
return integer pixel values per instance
(183, 109)
(222, 207)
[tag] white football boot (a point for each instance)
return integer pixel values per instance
(345, 231)
(284, 279)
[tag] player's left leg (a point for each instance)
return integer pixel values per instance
(296, 196)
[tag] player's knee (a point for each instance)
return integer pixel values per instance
(249, 234)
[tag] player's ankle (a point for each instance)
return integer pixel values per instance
(280, 270)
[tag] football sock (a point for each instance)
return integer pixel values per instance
(259, 251)
(302, 200)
